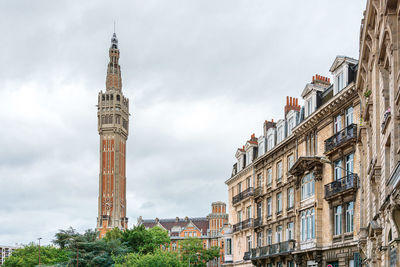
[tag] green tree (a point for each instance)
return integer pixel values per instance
(157, 259)
(144, 241)
(28, 256)
(114, 234)
(192, 250)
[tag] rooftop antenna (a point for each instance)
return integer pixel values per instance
(114, 25)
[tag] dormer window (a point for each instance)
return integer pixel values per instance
(248, 157)
(309, 106)
(270, 142)
(340, 81)
(290, 125)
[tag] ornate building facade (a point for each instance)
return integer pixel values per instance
(294, 191)
(210, 229)
(378, 82)
(113, 127)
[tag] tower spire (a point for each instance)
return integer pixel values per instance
(113, 80)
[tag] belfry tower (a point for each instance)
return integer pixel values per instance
(113, 125)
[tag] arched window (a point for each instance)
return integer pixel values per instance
(118, 98)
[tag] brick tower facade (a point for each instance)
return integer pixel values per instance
(113, 122)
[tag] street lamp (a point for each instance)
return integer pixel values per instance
(39, 249)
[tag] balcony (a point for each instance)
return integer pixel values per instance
(243, 225)
(243, 195)
(258, 222)
(273, 250)
(348, 183)
(340, 138)
(258, 192)
(247, 255)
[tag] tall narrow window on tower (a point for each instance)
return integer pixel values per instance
(113, 136)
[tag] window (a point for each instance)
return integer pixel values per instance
(239, 216)
(248, 212)
(289, 231)
(290, 264)
(174, 246)
(239, 186)
(279, 234)
(269, 207)
(259, 210)
(261, 149)
(349, 116)
(337, 124)
(249, 243)
(350, 163)
(309, 107)
(338, 170)
(270, 142)
(281, 134)
(279, 171)
(248, 157)
(307, 225)
(259, 239)
(338, 220)
(279, 264)
(229, 246)
(290, 161)
(290, 197)
(259, 180)
(340, 81)
(248, 183)
(307, 186)
(349, 217)
(269, 176)
(279, 202)
(269, 236)
(290, 125)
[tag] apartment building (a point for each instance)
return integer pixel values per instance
(326, 170)
(210, 229)
(378, 82)
(294, 190)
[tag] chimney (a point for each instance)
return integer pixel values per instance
(292, 103)
(321, 80)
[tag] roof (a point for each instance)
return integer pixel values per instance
(339, 60)
(168, 224)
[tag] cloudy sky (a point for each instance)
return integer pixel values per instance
(201, 76)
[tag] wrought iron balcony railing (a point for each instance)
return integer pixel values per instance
(258, 192)
(258, 221)
(339, 138)
(273, 250)
(347, 183)
(243, 195)
(247, 255)
(243, 225)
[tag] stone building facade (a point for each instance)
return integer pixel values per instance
(210, 229)
(294, 191)
(378, 82)
(113, 127)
